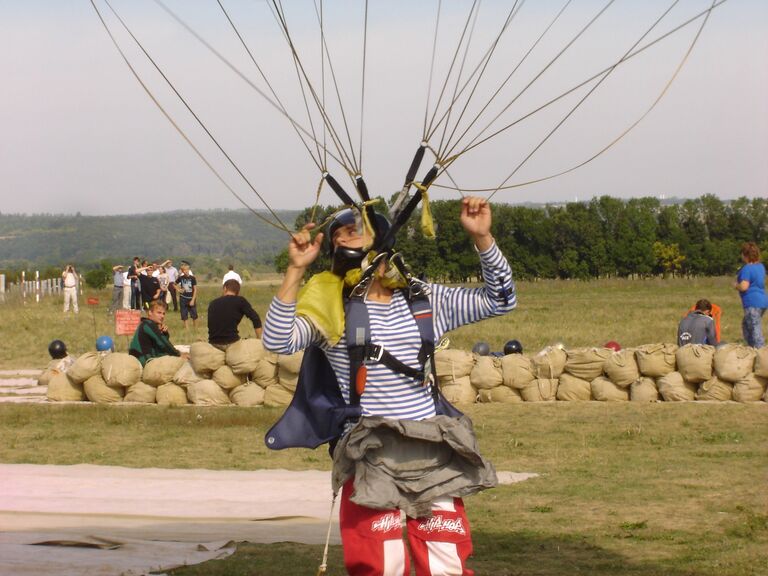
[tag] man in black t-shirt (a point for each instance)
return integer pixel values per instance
(225, 313)
(150, 287)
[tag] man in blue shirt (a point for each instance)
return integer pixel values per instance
(751, 286)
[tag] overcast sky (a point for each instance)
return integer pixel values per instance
(80, 134)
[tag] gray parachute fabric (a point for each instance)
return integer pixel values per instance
(408, 464)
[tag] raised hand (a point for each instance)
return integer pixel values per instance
(476, 220)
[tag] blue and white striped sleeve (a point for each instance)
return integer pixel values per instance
(284, 332)
(454, 307)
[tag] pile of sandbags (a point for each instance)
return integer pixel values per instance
(242, 374)
(648, 373)
(453, 369)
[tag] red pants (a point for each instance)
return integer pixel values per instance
(374, 546)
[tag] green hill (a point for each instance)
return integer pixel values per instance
(43, 240)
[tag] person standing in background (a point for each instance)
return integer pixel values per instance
(750, 283)
(162, 279)
(70, 280)
(226, 312)
(173, 274)
(150, 287)
(187, 287)
(117, 288)
(133, 276)
(231, 275)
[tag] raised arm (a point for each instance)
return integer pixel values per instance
(454, 307)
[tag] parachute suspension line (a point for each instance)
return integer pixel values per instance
(506, 80)
(483, 60)
(317, 199)
(431, 71)
(322, 76)
(461, 71)
(444, 170)
(234, 69)
(280, 225)
(324, 565)
(637, 52)
(535, 78)
(296, 65)
(362, 89)
(587, 95)
(194, 115)
(482, 69)
(317, 160)
(348, 164)
(450, 69)
(636, 122)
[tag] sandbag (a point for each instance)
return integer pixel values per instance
(120, 369)
(732, 362)
(586, 363)
(288, 370)
(249, 394)
(484, 396)
(715, 389)
(55, 366)
(141, 392)
(656, 360)
(161, 370)
(761, 362)
(207, 393)
(243, 356)
(97, 390)
(621, 368)
(486, 373)
(644, 390)
(171, 394)
(206, 358)
(186, 375)
(265, 374)
(62, 389)
(603, 390)
(86, 365)
(452, 364)
(275, 395)
(549, 362)
(516, 370)
(694, 362)
(750, 389)
(570, 387)
(227, 379)
(460, 391)
(540, 390)
(674, 388)
(505, 395)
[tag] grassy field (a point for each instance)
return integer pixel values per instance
(673, 489)
(576, 313)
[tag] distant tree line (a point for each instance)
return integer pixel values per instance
(606, 237)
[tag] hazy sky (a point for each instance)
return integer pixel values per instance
(80, 134)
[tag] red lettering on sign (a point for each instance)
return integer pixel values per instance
(126, 321)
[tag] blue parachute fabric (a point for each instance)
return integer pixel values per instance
(317, 413)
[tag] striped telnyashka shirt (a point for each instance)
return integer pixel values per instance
(387, 393)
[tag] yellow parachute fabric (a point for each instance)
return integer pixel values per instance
(427, 223)
(321, 301)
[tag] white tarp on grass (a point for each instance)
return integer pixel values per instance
(107, 520)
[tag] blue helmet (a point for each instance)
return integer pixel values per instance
(104, 344)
